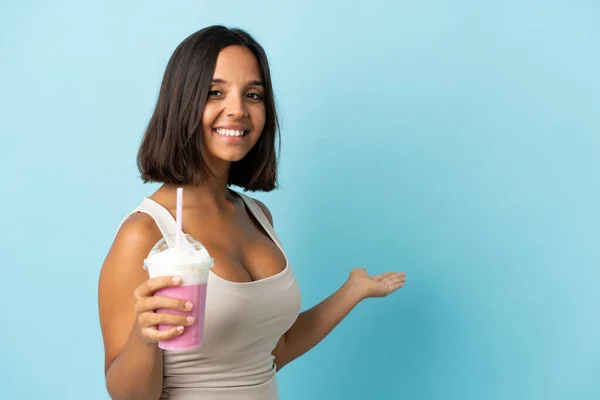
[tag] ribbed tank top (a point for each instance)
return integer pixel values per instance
(243, 323)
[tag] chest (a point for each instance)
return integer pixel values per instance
(242, 248)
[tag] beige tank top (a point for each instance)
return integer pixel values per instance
(244, 322)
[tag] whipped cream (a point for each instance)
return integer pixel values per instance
(190, 261)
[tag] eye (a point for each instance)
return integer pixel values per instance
(214, 93)
(255, 96)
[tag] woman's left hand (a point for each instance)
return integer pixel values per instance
(375, 286)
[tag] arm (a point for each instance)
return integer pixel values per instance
(315, 324)
(133, 366)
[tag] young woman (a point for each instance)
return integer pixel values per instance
(214, 125)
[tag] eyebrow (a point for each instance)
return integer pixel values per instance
(251, 83)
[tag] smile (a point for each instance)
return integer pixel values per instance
(231, 132)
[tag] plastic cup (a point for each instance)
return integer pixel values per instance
(190, 261)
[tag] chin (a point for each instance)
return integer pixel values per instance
(230, 156)
(229, 149)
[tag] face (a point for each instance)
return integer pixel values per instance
(234, 115)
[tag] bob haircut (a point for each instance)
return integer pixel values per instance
(172, 150)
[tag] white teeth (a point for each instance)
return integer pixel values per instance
(230, 132)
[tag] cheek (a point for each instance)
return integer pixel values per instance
(209, 115)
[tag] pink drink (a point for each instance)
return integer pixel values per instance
(191, 262)
(192, 335)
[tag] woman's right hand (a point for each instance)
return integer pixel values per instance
(147, 320)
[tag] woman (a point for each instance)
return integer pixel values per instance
(214, 126)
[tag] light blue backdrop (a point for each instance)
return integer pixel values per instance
(458, 141)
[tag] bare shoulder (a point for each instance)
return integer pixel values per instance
(123, 263)
(131, 245)
(139, 231)
(265, 210)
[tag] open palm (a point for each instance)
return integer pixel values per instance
(378, 285)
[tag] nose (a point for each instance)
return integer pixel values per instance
(236, 107)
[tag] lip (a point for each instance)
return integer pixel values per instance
(233, 127)
(231, 139)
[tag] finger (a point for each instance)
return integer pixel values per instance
(156, 335)
(154, 302)
(379, 278)
(393, 278)
(150, 286)
(396, 286)
(149, 319)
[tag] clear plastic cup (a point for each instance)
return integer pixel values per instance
(191, 262)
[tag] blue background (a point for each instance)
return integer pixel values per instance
(458, 141)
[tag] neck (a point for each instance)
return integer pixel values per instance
(211, 192)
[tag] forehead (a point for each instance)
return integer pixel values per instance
(237, 63)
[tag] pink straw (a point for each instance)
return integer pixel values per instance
(179, 217)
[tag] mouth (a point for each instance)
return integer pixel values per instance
(231, 133)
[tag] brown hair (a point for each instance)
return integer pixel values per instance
(171, 150)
